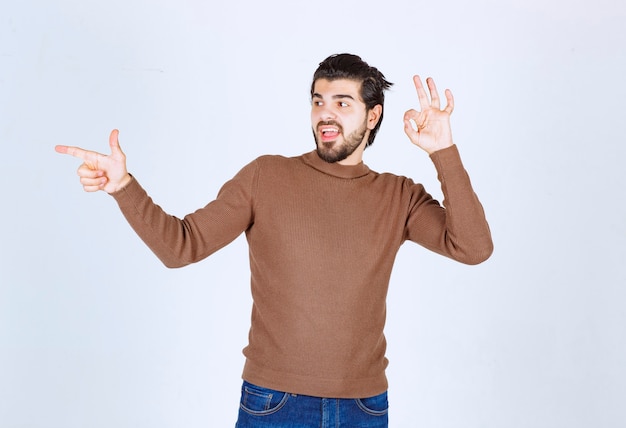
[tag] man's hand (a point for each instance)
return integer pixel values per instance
(433, 124)
(98, 171)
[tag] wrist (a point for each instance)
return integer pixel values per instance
(438, 147)
(126, 179)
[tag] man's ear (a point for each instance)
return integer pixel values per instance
(373, 116)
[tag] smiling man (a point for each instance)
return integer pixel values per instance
(323, 231)
(337, 102)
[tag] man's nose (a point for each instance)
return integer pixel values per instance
(327, 114)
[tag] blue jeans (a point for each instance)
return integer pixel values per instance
(266, 408)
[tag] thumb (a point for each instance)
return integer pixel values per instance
(114, 142)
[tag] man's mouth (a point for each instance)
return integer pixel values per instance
(329, 132)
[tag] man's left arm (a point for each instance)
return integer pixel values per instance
(459, 230)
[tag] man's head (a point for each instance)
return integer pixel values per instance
(371, 85)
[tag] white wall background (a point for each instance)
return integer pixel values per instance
(94, 332)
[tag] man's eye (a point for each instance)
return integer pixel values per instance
(317, 103)
(343, 104)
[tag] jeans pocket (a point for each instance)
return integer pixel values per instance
(375, 406)
(259, 401)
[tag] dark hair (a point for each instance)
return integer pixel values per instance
(352, 67)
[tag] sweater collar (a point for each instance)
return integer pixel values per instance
(313, 160)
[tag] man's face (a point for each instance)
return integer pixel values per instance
(339, 120)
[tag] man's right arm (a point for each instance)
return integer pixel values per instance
(179, 242)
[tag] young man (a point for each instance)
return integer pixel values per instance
(323, 231)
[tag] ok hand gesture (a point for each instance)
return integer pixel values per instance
(98, 171)
(433, 124)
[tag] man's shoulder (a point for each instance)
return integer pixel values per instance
(278, 160)
(281, 157)
(392, 177)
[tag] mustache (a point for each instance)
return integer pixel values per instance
(330, 123)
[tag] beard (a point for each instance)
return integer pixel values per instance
(332, 151)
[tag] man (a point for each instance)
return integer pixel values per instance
(323, 231)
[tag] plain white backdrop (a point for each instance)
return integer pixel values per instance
(95, 332)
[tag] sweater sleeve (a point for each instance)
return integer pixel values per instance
(458, 229)
(179, 242)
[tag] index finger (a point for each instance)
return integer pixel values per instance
(76, 152)
(91, 158)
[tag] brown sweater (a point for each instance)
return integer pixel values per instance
(322, 239)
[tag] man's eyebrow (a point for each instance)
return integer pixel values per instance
(335, 97)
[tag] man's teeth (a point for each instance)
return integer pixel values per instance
(333, 130)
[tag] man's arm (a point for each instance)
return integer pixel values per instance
(176, 242)
(459, 230)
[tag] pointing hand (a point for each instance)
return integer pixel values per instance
(98, 171)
